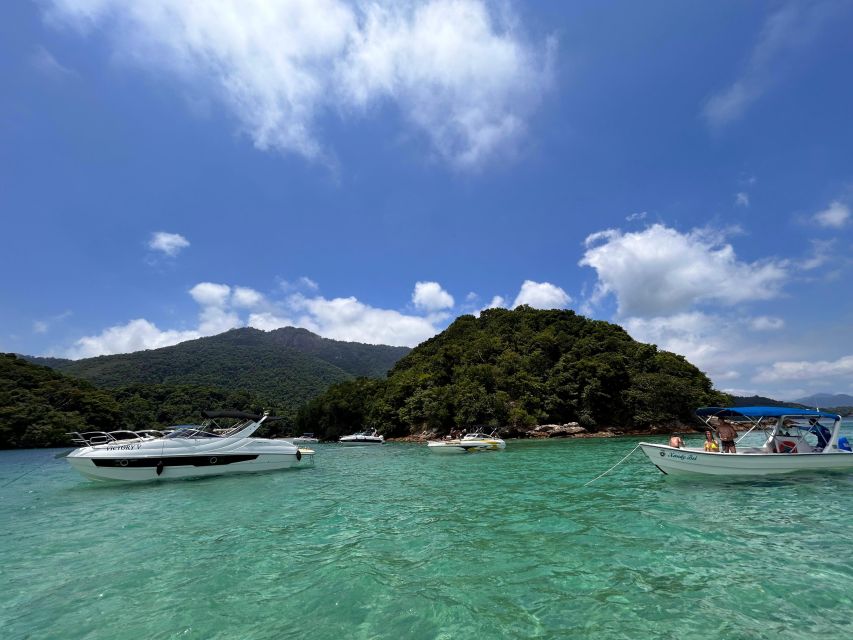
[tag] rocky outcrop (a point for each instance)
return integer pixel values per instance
(556, 430)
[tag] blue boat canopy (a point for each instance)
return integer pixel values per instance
(763, 412)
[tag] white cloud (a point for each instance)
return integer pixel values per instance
(349, 319)
(210, 294)
(786, 31)
(498, 302)
(766, 323)
(169, 243)
(660, 271)
(835, 372)
(639, 215)
(136, 335)
(246, 298)
(40, 326)
(431, 297)
(338, 318)
(835, 216)
(458, 72)
(742, 199)
(542, 295)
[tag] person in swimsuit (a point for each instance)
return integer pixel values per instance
(710, 443)
(676, 441)
(727, 434)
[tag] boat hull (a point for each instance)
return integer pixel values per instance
(693, 462)
(144, 469)
(456, 447)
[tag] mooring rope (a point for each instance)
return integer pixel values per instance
(613, 467)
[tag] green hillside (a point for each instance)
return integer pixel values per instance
(285, 367)
(513, 369)
(39, 405)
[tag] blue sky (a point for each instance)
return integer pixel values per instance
(372, 170)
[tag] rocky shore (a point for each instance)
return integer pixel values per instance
(568, 430)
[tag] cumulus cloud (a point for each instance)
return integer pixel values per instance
(211, 294)
(221, 306)
(784, 34)
(431, 297)
(168, 243)
(803, 371)
(458, 71)
(135, 335)
(835, 216)
(246, 298)
(350, 319)
(542, 295)
(660, 271)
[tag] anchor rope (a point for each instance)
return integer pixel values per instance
(614, 466)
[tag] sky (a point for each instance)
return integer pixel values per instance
(372, 170)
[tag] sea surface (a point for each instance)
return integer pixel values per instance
(395, 542)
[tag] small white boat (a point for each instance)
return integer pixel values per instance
(362, 438)
(793, 440)
(305, 438)
(186, 451)
(470, 443)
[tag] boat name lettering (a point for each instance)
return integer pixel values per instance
(124, 447)
(684, 457)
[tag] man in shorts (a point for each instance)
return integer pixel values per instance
(727, 433)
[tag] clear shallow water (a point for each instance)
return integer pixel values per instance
(396, 542)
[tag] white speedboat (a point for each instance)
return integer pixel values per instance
(470, 443)
(793, 440)
(187, 451)
(305, 438)
(362, 438)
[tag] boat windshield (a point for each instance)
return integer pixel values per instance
(191, 432)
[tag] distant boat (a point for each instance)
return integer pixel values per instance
(305, 438)
(187, 451)
(794, 440)
(470, 443)
(362, 438)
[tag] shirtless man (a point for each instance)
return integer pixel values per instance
(676, 441)
(727, 434)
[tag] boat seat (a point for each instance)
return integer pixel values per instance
(791, 444)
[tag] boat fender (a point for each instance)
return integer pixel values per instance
(298, 455)
(160, 466)
(787, 446)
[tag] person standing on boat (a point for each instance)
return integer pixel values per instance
(727, 434)
(710, 443)
(676, 441)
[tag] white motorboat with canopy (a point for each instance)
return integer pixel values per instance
(469, 443)
(186, 451)
(362, 438)
(793, 440)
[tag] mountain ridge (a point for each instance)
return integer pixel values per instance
(287, 365)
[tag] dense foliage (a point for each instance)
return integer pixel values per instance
(284, 367)
(514, 369)
(38, 406)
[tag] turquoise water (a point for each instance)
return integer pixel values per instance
(396, 542)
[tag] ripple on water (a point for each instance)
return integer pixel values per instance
(396, 542)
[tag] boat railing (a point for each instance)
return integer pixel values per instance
(95, 438)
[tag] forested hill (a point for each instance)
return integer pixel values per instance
(39, 405)
(286, 366)
(512, 369)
